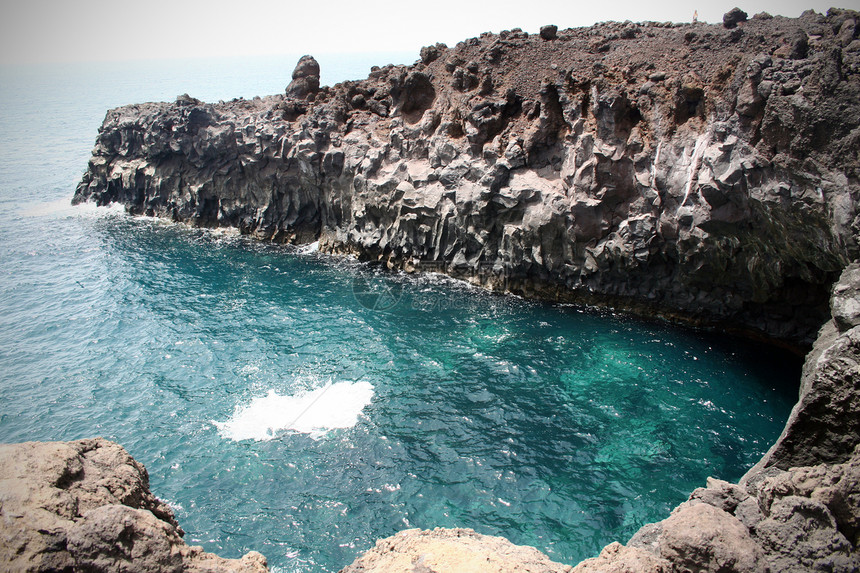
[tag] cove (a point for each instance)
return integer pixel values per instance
(558, 427)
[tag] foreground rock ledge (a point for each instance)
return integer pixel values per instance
(461, 550)
(86, 506)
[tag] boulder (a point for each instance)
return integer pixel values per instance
(549, 32)
(701, 537)
(733, 17)
(86, 506)
(306, 79)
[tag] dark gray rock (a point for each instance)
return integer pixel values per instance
(306, 78)
(715, 249)
(799, 45)
(734, 17)
(549, 32)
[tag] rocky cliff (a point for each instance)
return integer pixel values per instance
(702, 173)
(706, 173)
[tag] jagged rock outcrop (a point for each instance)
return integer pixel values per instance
(86, 506)
(801, 520)
(688, 170)
(824, 425)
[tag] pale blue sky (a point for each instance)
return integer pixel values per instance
(94, 30)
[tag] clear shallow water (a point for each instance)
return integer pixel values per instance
(554, 426)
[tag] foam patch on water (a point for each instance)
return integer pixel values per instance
(313, 412)
(59, 208)
(309, 248)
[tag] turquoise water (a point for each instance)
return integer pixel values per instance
(277, 410)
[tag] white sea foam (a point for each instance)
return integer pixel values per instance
(313, 412)
(59, 208)
(309, 248)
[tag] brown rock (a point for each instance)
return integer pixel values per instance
(451, 551)
(733, 17)
(306, 78)
(86, 505)
(549, 32)
(616, 558)
(700, 537)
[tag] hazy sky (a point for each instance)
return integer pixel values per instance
(93, 30)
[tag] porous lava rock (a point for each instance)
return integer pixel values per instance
(306, 78)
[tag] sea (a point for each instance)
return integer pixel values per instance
(305, 405)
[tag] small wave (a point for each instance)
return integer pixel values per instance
(314, 412)
(63, 208)
(176, 507)
(308, 249)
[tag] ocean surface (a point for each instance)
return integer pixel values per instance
(304, 405)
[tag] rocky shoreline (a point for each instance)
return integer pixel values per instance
(703, 173)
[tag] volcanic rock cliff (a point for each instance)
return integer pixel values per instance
(695, 171)
(706, 173)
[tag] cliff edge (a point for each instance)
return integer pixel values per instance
(697, 172)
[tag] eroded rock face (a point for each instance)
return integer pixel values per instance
(86, 506)
(713, 182)
(804, 519)
(824, 425)
(452, 550)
